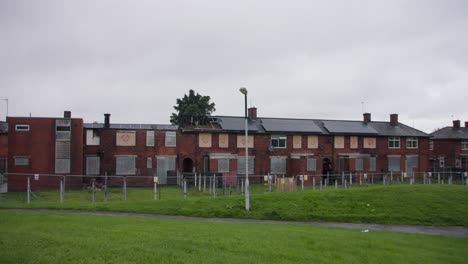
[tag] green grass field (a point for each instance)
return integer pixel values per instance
(69, 238)
(396, 204)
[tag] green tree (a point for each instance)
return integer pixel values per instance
(192, 107)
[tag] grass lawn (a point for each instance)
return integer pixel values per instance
(69, 238)
(396, 204)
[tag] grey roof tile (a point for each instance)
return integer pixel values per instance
(231, 123)
(450, 133)
(349, 127)
(291, 125)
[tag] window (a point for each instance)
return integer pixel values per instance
(241, 165)
(441, 162)
(465, 145)
(150, 138)
(22, 161)
(458, 163)
(278, 165)
(92, 137)
(223, 165)
(359, 164)
(372, 164)
(92, 165)
(278, 141)
(311, 164)
(170, 139)
(393, 142)
(431, 144)
(125, 165)
(62, 165)
(412, 142)
(394, 163)
(22, 127)
(353, 142)
(63, 129)
(149, 162)
(339, 142)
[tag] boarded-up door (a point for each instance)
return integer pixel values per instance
(411, 163)
(164, 164)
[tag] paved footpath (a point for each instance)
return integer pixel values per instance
(450, 231)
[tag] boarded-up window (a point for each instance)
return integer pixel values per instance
(369, 142)
(204, 140)
(297, 142)
(278, 165)
(411, 164)
(149, 162)
(92, 137)
(21, 161)
(311, 164)
(126, 138)
(125, 165)
(353, 142)
(170, 140)
(62, 150)
(62, 165)
(223, 165)
(394, 163)
(339, 142)
(241, 141)
(63, 129)
(92, 165)
(223, 140)
(359, 164)
(312, 142)
(372, 164)
(241, 165)
(150, 138)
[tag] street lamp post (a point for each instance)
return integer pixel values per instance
(243, 90)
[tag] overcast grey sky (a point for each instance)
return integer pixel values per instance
(298, 59)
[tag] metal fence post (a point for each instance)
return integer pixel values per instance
(61, 190)
(185, 188)
(313, 183)
(302, 182)
(125, 188)
(28, 194)
(214, 185)
(242, 187)
(204, 183)
(105, 187)
(92, 186)
(195, 181)
(336, 184)
(199, 182)
(438, 178)
(155, 192)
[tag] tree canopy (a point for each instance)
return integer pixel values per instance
(192, 106)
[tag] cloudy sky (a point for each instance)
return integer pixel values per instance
(299, 59)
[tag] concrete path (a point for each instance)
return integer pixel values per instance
(449, 231)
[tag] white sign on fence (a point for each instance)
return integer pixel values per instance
(36, 177)
(155, 179)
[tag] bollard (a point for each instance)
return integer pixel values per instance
(125, 189)
(28, 194)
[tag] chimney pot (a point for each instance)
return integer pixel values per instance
(367, 117)
(253, 113)
(67, 114)
(456, 124)
(107, 120)
(394, 119)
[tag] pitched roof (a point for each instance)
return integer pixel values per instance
(349, 127)
(231, 123)
(291, 125)
(402, 130)
(450, 133)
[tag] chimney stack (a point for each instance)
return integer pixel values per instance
(66, 114)
(367, 117)
(466, 124)
(456, 124)
(106, 120)
(252, 113)
(394, 119)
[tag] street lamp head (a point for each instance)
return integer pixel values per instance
(243, 90)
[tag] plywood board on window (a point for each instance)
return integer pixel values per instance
(353, 142)
(223, 140)
(241, 141)
(312, 142)
(339, 142)
(126, 138)
(369, 142)
(297, 142)
(204, 140)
